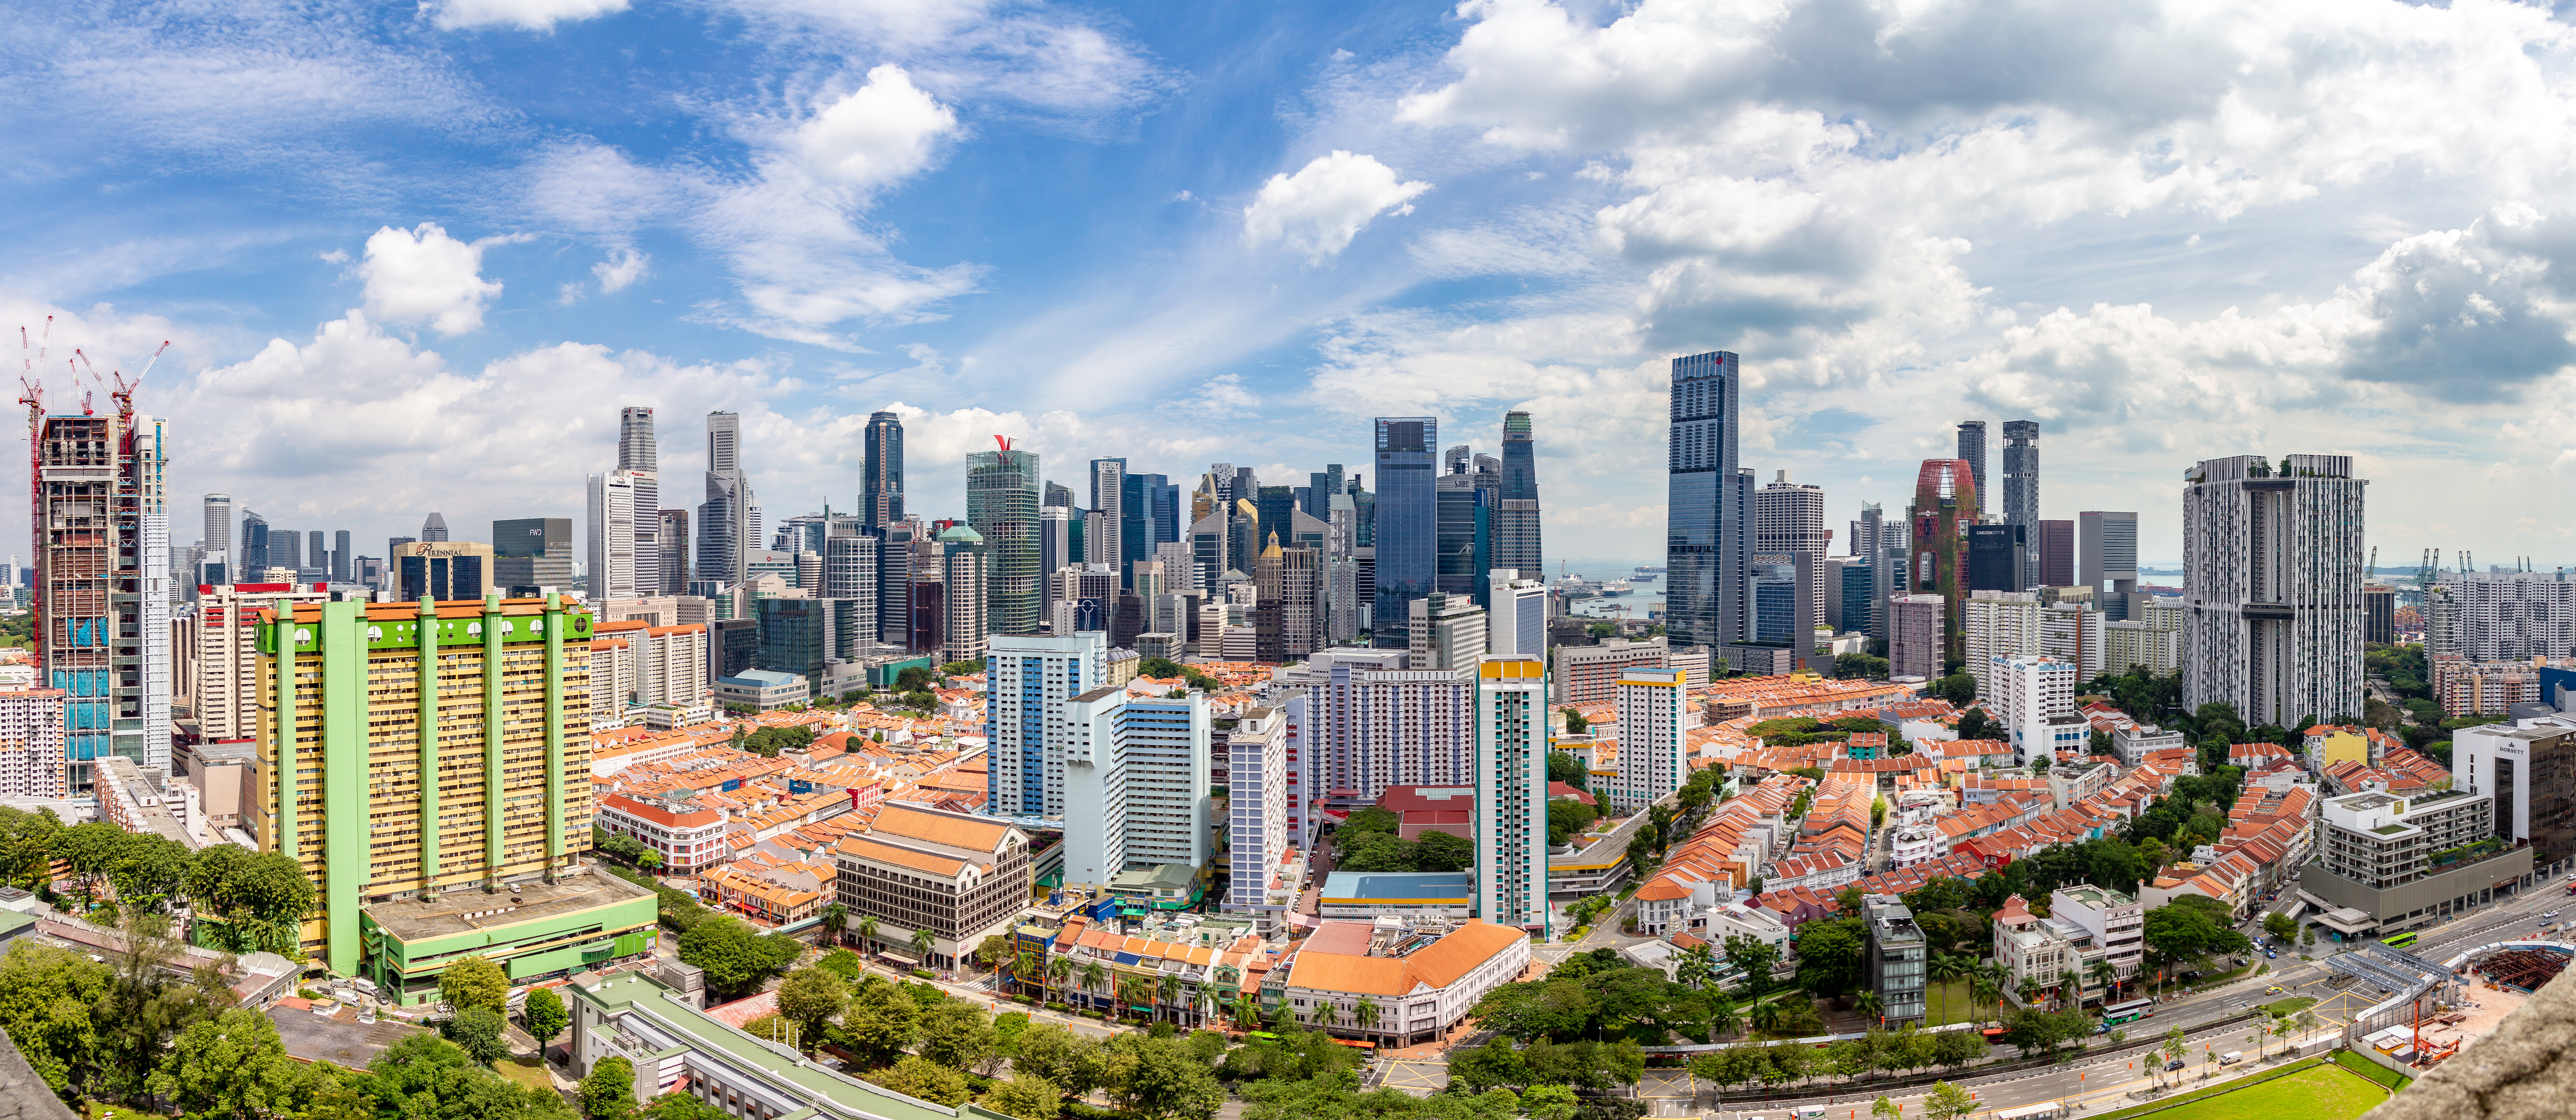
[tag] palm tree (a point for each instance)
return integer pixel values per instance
(2030, 988)
(1247, 1013)
(1169, 988)
(1867, 1003)
(1945, 969)
(1059, 970)
(1766, 1016)
(1366, 1015)
(2107, 975)
(922, 943)
(1094, 977)
(2307, 1021)
(868, 932)
(1722, 1018)
(836, 921)
(1986, 993)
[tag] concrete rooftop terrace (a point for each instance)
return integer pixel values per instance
(468, 910)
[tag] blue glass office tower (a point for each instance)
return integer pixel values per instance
(881, 471)
(1407, 520)
(1147, 516)
(1708, 539)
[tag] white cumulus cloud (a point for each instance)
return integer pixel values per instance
(1318, 210)
(526, 15)
(875, 135)
(623, 267)
(424, 276)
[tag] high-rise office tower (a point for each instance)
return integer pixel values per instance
(898, 543)
(729, 521)
(1288, 620)
(965, 573)
(850, 588)
(1516, 623)
(1789, 519)
(1408, 523)
(2021, 486)
(532, 555)
(1108, 495)
(2107, 550)
(613, 511)
(1511, 791)
(1868, 546)
(639, 452)
(433, 528)
(1945, 505)
(391, 793)
(1466, 502)
(2056, 554)
(251, 561)
(1135, 779)
(318, 557)
(881, 471)
(286, 549)
(1707, 553)
(1321, 486)
(2272, 562)
(340, 556)
(219, 522)
(1516, 524)
(1002, 488)
(674, 542)
(1058, 495)
(1998, 558)
(1972, 451)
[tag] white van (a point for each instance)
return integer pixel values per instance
(2231, 1057)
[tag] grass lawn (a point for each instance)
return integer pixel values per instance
(530, 1072)
(2293, 1006)
(2372, 1070)
(2318, 1092)
(1950, 1003)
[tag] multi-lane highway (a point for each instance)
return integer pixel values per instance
(2104, 1083)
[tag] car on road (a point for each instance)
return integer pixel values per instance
(2275, 989)
(2545, 916)
(2173, 1064)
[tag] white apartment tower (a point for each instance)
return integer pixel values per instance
(2072, 633)
(1998, 624)
(1260, 791)
(2034, 698)
(2272, 561)
(1511, 791)
(222, 671)
(1135, 783)
(616, 554)
(1653, 760)
(1448, 632)
(2503, 616)
(1364, 723)
(1028, 680)
(1914, 637)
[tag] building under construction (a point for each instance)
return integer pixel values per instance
(101, 607)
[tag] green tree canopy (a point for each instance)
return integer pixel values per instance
(474, 981)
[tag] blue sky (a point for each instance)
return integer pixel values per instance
(415, 259)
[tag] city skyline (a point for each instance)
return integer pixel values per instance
(1277, 245)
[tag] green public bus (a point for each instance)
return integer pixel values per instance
(2400, 941)
(2129, 1012)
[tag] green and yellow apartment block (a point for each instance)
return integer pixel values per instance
(436, 794)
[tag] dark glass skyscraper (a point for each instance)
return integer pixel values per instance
(881, 472)
(1972, 447)
(1708, 537)
(1516, 518)
(2021, 487)
(251, 565)
(1408, 525)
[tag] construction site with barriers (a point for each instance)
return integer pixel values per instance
(2436, 1010)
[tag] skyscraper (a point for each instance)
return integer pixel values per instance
(1002, 488)
(433, 528)
(2056, 554)
(639, 452)
(2021, 486)
(1945, 504)
(532, 555)
(219, 529)
(613, 573)
(1108, 496)
(2272, 568)
(1408, 523)
(1998, 558)
(1972, 450)
(1789, 519)
(251, 562)
(1707, 550)
(729, 521)
(2107, 552)
(1516, 524)
(881, 471)
(340, 557)
(318, 558)
(674, 542)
